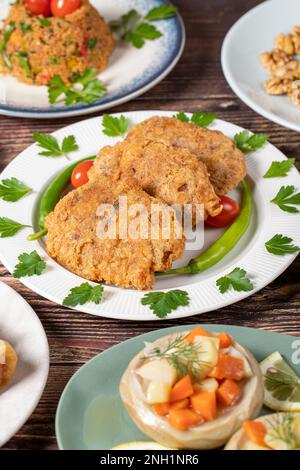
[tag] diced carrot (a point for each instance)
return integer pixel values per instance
(183, 419)
(228, 367)
(228, 392)
(255, 431)
(182, 389)
(180, 404)
(225, 340)
(205, 403)
(199, 331)
(161, 409)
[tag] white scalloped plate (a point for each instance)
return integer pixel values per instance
(249, 253)
(21, 327)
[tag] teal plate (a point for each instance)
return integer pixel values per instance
(90, 414)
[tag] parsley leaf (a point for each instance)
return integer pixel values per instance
(51, 146)
(280, 168)
(162, 12)
(9, 227)
(199, 119)
(44, 21)
(126, 21)
(143, 31)
(247, 142)
(85, 88)
(280, 245)
(113, 126)
(6, 35)
(84, 293)
(162, 303)
(11, 190)
(285, 197)
(182, 117)
(236, 279)
(30, 264)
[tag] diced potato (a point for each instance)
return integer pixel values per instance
(247, 369)
(208, 353)
(158, 392)
(158, 370)
(207, 385)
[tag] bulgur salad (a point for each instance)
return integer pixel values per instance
(37, 44)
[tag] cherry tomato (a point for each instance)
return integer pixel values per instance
(79, 175)
(38, 7)
(64, 7)
(229, 213)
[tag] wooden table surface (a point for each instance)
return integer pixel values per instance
(196, 83)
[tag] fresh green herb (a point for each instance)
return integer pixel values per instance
(92, 43)
(84, 293)
(247, 142)
(25, 27)
(143, 31)
(237, 279)
(12, 189)
(136, 31)
(286, 198)
(30, 264)
(9, 227)
(280, 168)
(185, 357)
(113, 126)
(85, 88)
(199, 119)
(51, 146)
(53, 60)
(44, 21)
(281, 245)
(125, 22)
(182, 117)
(24, 62)
(162, 303)
(162, 12)
(7, 33)
(282, 429)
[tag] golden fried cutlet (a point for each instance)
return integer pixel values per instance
(172, 174)
(73, 237)
(224, 161)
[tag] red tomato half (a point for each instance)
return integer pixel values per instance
(38, 7)
(80, 174)
(64, 7)
(229, 213)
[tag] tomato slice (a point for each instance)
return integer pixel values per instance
(38, 7)
(229, 213)
(79, 175)
(64, 7)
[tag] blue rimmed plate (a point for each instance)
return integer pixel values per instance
(130, 73)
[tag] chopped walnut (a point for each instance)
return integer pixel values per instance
(274, 59)
(294, 93)
(285, 43)
(288, 71)
(296, 39)
(278, 86)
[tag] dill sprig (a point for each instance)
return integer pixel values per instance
(283, 429)
(183, 356)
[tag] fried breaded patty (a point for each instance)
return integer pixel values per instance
(73, 235)
(224, 161)
(173, 174)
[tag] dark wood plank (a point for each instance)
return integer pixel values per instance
(196, 83)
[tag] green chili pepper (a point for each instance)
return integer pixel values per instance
(7, 33)
(51, 196)
(225, 243)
